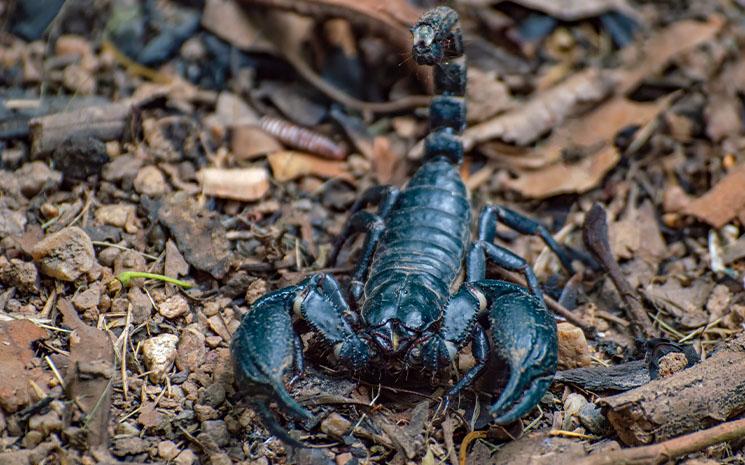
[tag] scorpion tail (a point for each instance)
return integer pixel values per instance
(524, 336)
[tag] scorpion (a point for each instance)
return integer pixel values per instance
(402, 305)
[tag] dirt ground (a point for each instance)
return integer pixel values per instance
(218, 145)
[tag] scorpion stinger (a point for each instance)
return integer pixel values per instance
(415, 246)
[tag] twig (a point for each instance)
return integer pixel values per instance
(595, 236)
(670, 449)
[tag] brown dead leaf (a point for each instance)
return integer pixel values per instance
(599, 126)
(88, 379)
(638, 234)
(243, 184)
(486, 95)
(723, 202)
(228, 21)
(249, 142)
(389, 17)
(686, 304)
(16, 367)
(564, 177)
(384, 160)
(723, 108)
(289, 165)
(543, 111)
(657, 51)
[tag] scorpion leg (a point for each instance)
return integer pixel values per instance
(384, 196)
(265, 347)
(373, 224)
(459, 327)
(523, 331)
(492, 214)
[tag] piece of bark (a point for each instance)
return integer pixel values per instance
(104, 122)
(620, 377)
(703, 395)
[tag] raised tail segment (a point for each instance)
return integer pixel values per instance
(438, 42)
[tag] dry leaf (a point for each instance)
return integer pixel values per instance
(486, 95)
(723, 108)
(384, 160)
(389, 17)
(723, 202)
(289, 165)
(249, 142)
(544, 111)
(564, 178)
(228, 21)
(685, 303)
(657, 51)
(90, 372)
(599, 126)
(637, 234)
(245, 184)
(570, 10)
(16, 369)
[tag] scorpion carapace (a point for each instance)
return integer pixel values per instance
(400, 290)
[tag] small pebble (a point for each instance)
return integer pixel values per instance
(191, 350)
(167, 450)
(174, 306)
(150, 181)
(591, 417)
(65, 255)
(573, 349)
(186, 457)
(20, 274)
(159, 353)
(336, 426)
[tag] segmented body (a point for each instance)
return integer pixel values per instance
(420, 254)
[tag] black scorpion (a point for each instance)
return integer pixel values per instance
(414, 247)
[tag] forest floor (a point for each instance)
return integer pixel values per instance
(222, 143)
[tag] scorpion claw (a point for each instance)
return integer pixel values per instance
(263, 352)
(525, 337)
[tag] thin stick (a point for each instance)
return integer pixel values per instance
(670, 449)
(595, 235)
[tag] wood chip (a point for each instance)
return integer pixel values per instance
(249, 142)
(289, 165)
(245, 184)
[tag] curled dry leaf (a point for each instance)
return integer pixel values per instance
(245, 184)
(724, 202)
(289, 165)
(544, 111)
(564, 177)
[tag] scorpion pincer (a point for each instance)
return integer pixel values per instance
(414, 248)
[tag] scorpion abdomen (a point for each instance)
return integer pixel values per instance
(427, 233)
